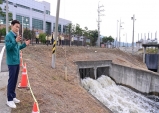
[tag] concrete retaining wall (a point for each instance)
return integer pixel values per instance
(142, 80)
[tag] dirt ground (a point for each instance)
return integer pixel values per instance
(53, 93)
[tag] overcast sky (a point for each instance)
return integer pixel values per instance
(84, 12)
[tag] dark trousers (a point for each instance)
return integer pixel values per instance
(12, 81)
(37, 41)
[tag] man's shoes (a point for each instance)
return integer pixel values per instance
(16, 100)
(11, 104)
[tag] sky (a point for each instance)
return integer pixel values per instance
(84, 12)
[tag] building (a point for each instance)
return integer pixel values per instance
(35, 14)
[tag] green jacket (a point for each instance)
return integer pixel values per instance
(12, 49)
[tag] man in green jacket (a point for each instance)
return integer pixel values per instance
(13, 60)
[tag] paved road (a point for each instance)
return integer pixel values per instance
(3, 84)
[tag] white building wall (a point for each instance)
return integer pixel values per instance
(32, 14)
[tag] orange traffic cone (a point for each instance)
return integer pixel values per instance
(24, 68)
(35, 108)
(20, 53)
(21, 62)
(24, 81)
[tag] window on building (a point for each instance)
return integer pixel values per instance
(64, 28)
(22, 6)
(2, 20)
(47, 12)
(4, 1)
(48, 27)
(11, 3)
(59, 28)
(26, 21)
(36, 10)
(54, 27)
(37, 24)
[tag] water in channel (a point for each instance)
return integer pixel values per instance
(119, 99)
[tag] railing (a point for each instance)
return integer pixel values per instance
(1, 56)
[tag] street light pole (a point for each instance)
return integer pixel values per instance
(6, 16)
(56, 29)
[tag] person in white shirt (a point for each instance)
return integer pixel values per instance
(57, 40)
(72, 40)
(62, 39)
(52, 38)
(37, 37)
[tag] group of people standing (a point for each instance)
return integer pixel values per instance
(50, 39)
(60, 40)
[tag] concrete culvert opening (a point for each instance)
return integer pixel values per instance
(86, 72)
(102, 71)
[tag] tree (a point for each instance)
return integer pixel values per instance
(78, 32)
(108, 40)
(3, 14)
(93, 35)
(85, 35)
(3, 17)
(27, 34)
(33, 35)
(3, 31)
(70, 30)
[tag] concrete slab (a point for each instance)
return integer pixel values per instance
(3, 93)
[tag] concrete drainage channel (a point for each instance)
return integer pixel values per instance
(94, 70)
(144, 81)
(140, 80)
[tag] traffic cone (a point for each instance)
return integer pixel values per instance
(20, 53)
(24, 68)
(35, 108)
(21, 62)
(24, 81)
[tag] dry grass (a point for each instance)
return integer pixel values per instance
(53, 93)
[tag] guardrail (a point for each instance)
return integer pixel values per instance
(1, 56)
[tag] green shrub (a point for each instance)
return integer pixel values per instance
(87, 43)
(3, 31)
(42, 37)
(27, 34)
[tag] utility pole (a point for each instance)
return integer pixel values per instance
(6, 16)
(117, 35)
(22, 27)
(133, 18)
(120, 31)
(99, 14)
(56, 29)
(156, 36)
(126, 41)
(138, 37)
(44, 23)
